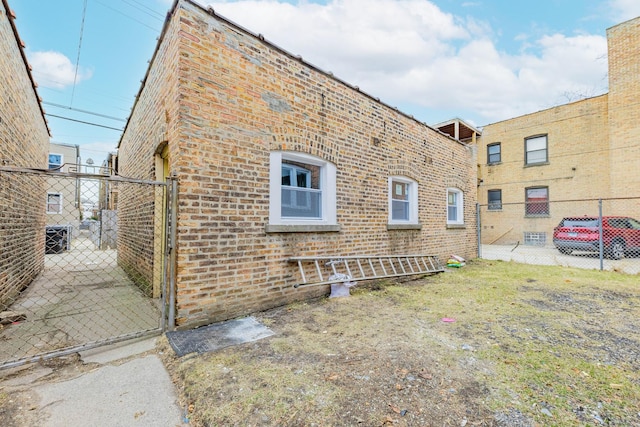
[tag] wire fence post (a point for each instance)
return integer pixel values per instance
(600, 240)
(478, 230)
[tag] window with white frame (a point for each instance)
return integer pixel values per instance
(455, 212)
(536, 150)
(302, 190)
(55, 160)
(403, 200)
(299, 197)
(54, 203)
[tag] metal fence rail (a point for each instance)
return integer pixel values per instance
(602, 234)
(84, 294)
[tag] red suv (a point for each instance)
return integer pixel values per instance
(620, 235)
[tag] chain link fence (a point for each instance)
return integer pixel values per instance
(64, 283)
(601, 234)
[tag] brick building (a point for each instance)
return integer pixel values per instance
(535, 169)
(24, 142)
(63, 196)
(276, 158)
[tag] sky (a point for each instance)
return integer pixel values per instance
(480, 60)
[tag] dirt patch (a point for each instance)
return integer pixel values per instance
(528, 346)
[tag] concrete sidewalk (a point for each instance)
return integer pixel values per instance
(120, 385)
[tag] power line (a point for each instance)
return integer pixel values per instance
(128, 16)
(83, 122)
(84, 111)
(151, 12)
(75, 76)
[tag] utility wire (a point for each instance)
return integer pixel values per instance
(152, 13)
(75, 77)
(83, 122)
(128, 16)
(84, 111)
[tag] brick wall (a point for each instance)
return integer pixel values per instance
(624, 110)
(578, 166)
(593, 151)
(23, 143)
(239, 98)
(153, 122)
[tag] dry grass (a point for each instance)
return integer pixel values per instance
(530, 345)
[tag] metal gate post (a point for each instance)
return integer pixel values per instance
(173, 218)
(478, 230)
(165, 255)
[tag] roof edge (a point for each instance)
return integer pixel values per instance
(210, 11)
(11, 18)
(546, 109)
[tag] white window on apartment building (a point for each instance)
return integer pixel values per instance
(55, 161)
(403, 200)
(54, 203)
(536, 151)
(455, 203)
(302, 190)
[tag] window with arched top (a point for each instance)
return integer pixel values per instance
(403, 200)
(455, 206)
(302, 190)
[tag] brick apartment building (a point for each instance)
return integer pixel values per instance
(63, 196)
(24, 142)
(535, 169)
(275, 159)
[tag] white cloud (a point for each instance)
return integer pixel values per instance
(53, 69)
(409, 52)
(625, 9)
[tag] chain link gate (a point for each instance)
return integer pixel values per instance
(71, 275)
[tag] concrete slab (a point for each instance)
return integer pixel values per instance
(17, 379)
(114, 352)
(136, 393)
(218, 335)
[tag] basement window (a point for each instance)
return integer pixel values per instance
(535, 238)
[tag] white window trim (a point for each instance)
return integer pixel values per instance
(413, 200)
(327, 184)
(61, 160)
(51, 193)
(459, 206)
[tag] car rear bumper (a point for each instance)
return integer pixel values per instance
(576, 245)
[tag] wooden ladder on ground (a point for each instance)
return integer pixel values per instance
(325, 270)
